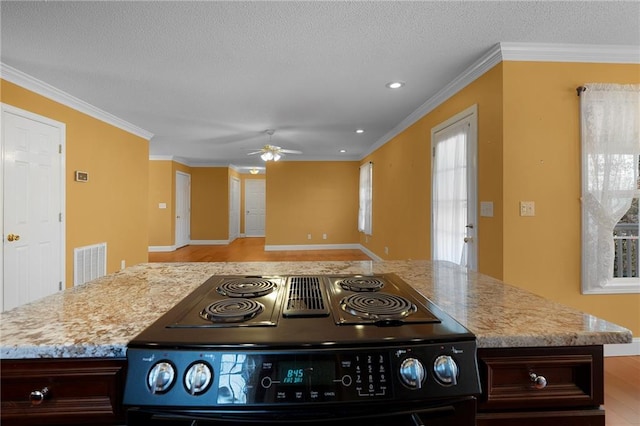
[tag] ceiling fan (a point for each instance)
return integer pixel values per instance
(271, 152)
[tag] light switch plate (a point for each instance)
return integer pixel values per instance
(486, 208)
(527, 208)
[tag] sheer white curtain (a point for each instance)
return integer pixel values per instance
(610, 116)
(366, 198)
(450, 194)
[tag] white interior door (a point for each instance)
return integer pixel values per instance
(183, 209)
(33, 206)
(454, 224)
(254, 206)
(234, 209)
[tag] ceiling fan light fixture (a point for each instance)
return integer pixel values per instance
(267, 156)
(254, 171)
(276, 156)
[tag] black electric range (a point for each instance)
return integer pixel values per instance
(304, 348)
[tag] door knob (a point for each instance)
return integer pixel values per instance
(13, 237)
(468, 239)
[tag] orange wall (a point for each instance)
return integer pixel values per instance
(542, 164)
(312, 197)
(161, 190)
(528, 150)
(402, 176)
(209, 203)
(113, 205)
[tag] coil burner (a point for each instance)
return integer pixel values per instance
(362, 284)
(378, 306)
(246, 287)
(232, 310)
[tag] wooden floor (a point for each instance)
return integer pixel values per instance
(251, 250)
(622, 390)
(621, 374)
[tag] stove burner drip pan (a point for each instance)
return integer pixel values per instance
(378, 306)
(232, 310)
(246, 287)
(362, 284)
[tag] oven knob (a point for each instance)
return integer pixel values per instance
(446, 370)
(161, 376)
(198, 378)
(412, 373)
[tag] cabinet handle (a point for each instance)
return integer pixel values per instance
(539, 382)
(37, 396)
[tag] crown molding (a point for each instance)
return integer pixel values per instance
(28, 82)
(515, 52)
(587, 53)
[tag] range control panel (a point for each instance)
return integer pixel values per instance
(201, 378)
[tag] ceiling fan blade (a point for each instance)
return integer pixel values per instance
(290, 151)
(254, 152)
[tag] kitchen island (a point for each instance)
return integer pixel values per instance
(84, 331)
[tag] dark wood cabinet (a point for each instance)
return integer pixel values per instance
(89, 391)
(552, 385)
(62, 391)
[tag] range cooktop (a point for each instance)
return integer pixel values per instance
(268, 311)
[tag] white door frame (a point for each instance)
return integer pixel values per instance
(179, 241)
(4, 108)
(470, 114)
(234, 208)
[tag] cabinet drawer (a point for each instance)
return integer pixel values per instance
(572, 377)
(73, 391)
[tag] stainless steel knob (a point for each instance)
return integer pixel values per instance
(412, 373)
(539, 382)
(37, 396)
(161, 377)
(446, 370)
(198, 378)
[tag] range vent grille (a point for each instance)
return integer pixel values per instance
(89, 263)
(305, 298)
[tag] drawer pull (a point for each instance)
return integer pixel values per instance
(37, 396)
(539, 382)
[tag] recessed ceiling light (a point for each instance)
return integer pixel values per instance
(360, 131)
(395, 84)
(343, 151)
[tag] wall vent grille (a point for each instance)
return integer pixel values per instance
(89, 263)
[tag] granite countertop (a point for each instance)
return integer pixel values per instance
(99, 318)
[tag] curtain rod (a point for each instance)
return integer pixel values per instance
(581, 89)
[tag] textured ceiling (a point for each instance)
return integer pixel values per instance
(208, 78)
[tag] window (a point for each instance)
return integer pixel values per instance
(366, 198)
(610, 132)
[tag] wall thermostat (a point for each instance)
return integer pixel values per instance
(82, 176)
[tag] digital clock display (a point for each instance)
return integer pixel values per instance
(306, 373)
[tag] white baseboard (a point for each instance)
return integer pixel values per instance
(191, 242)
(623, 349)
(281, 247)
(209, 242)
(369, 253)
(161, 248)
